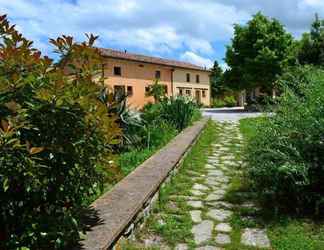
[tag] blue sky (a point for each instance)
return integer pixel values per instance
(196, 31)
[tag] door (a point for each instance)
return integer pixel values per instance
(198, 96)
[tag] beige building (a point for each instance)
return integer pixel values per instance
(133, 73)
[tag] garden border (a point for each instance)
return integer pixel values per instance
(128, 204)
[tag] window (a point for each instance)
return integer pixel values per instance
(197, 79)
(157, 74)
(129, 90)
(117, 71)
(188, 77)
(180, 92)
(165, 89)
(203, 93)
(119, 90)
(188, 92)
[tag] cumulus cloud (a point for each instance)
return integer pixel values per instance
(191, 57)
(179, 29)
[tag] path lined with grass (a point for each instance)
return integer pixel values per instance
(204, 206)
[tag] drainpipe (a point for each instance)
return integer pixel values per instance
(172, 70)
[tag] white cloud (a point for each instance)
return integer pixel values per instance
(159, 27)
(169, 28)
(224, 66)
(191, 57)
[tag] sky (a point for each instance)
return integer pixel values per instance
(195, 31)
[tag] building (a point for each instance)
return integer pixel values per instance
(133, 73)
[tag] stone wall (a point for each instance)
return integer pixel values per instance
(125, 207)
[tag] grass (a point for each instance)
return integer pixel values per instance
(248, 126)
(286, 231)
(174, 211)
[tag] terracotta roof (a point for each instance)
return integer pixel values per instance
(148, 59)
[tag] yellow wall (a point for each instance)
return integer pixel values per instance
(137, 75)
(140, 75)
(180, 82)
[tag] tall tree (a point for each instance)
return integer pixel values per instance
(259, 52)
(157, 91)
(217, 86)
(311, 50)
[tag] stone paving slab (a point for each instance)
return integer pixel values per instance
(195, 216)
(222, 239)
(223, 227)
(219, 214)
(203, 231)
(255, 237)
(209, 248)
(181, 246)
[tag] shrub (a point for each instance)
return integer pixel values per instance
(55, 136)
(218, 103)
(178, 111)
(286, 156)
(157, 91)
(230, 101)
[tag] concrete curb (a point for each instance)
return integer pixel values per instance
(122, 209)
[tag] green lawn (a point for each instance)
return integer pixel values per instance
(287, 231)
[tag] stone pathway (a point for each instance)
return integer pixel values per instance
(207, 204)
(210, 212)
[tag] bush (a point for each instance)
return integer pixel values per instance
(55, 136)
(217, 103)
(178, 111)
(286, 156)
(230, 101)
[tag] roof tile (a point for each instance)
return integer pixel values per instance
(148, 59)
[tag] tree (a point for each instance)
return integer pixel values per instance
(311, 49)
(156, 90)
(258, 54)
(56, 138)
(216, 76)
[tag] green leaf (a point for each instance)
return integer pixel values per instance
(5, 184)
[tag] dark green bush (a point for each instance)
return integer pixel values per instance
(178, 111)
(55, 137)
(230, 101)
(286, 157)
(218, 103)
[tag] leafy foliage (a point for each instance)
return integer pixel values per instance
(55, 137)
(218, 88)
(230, 101)
(259, 52)
(218, 103)
(286, 155)
(178, 111)
(311, 48)
(227, 101)
(156, 90)
(160, 123)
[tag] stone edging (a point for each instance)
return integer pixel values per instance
(130, 201)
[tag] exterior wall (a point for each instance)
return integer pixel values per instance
(180, 83)
(138, 76)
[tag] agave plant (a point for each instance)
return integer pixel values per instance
(130, 121)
